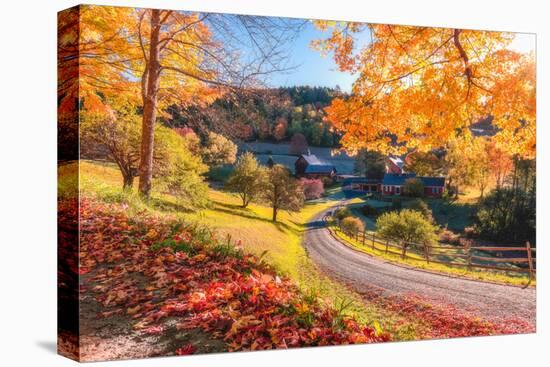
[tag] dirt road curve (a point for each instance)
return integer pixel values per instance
(365, 273)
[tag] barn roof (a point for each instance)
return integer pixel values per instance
(315, 165)
(396, 179)
(399, 180)
(397, 161)
(433, 181)
(360, 180)
(312, 159)
(320, 168)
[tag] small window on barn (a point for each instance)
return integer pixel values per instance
(397, 189)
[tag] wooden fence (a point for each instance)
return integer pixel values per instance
(472, 256)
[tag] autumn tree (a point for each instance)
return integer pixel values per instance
(248, 179)
(370, 163)
(279, 130)
(413, 187)
(424, 164)
(406, 226)
(116, 139)
(500, 163)
(219, 150)
(298, 144)
(418, 87)
(282, 191)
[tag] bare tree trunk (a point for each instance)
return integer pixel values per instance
(150, 108)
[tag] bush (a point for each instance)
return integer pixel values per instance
(327, 182)
(342, 213)
(369, 210)
(313, 188)
(352, 225)
(421, 206)
(413, 188)
(447, 236)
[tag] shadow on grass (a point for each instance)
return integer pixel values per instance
(238, 210)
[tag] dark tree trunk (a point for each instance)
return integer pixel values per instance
(128, 181)
(150, 108)
(275, 213)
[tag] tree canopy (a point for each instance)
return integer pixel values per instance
(418, 87)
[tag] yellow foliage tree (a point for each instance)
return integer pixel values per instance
(419, 87)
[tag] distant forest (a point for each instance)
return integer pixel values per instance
(274, 114)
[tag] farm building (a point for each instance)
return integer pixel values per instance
(395, 165)
(393, 184)
(361, 184)
(308, 165)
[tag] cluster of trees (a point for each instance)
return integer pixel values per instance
(275, 114)
(508, 213)
(479, 163)
(274, 185)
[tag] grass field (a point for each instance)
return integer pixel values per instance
(279, 243)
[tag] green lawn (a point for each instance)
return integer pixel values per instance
(278, 243)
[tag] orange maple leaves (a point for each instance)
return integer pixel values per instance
(419, 87)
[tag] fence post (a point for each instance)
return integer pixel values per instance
(373, 238)
(468, 250)
(364, 235)
(427, 252)
(387, 244)
(403, 250)
(530, 260)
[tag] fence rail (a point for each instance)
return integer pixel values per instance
(466, 252)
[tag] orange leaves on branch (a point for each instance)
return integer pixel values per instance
(418, 87)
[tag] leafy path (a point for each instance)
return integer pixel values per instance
(150, 285)
(449, 307)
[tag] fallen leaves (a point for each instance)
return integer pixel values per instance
(155, 269)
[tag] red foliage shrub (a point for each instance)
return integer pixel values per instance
(313, 188)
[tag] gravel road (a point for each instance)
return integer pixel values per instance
(365, 274)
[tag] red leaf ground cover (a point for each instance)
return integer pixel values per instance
(154, 269)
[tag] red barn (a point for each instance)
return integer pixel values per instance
(393, 184)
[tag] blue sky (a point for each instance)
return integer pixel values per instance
(312, 68)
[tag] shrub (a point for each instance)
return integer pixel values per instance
(449, 237)
(369, 210)
(327, 182)
(313, 188)
(470, 232)
(421, 206)
(342, 213)
(413, 188)
(352, 225)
